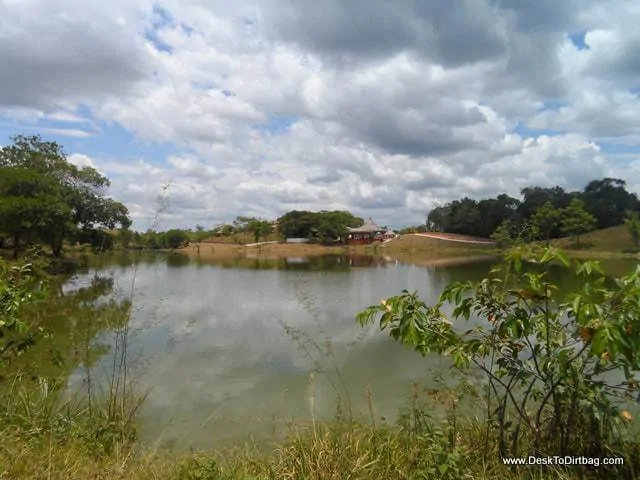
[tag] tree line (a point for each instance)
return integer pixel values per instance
(322, 227)
(544, 212)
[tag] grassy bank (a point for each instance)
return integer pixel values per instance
(614, 242)
(404, 247)
(41, 440)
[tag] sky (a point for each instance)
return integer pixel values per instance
(385, 108)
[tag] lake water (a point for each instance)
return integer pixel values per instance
(210, 340)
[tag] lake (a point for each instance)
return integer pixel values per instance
(227, 347)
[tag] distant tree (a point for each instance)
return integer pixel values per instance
(438, 219)
(200, 234)
(137, 239)
(464, 217)
(243, 224)
(334, 226)
(224, 230)
(535, 197)
(99, 239)
(124, 237)
(632, 222)
(297, 224)
(175, 238)
(575, 220)
(259, 228)
(494, 211)
(503, 234)
(608, 200)
(546, 219)
(323, 226)
(152, 240)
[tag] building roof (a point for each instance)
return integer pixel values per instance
(368, 227)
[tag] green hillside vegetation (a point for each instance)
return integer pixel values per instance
(608, 240)
(541, 214)
(418, 244)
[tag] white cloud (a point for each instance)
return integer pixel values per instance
(393, 111)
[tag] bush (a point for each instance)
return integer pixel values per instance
(551, 362)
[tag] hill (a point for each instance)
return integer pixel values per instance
(450, 245)
(609, 240)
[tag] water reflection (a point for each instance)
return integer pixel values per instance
(310, 263)
(328, 262)
(217, 356)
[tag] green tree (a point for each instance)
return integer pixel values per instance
(124, 237)
(333, 226)
(30, 207)
(243, 224)
(224, 230)
(175, 238)
(80, 190)
(546, 220)
(99, 239)
(503, 234)
(608, 200)
(536, 197)
(632, 222)
(543, 353)
(297, 224)
(575, 220)
(259, 228)
(200, 234)
(152, 240)
(322, 226)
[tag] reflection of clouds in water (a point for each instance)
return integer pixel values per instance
(215, 339)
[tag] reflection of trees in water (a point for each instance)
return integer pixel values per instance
(73, 321)
(175, 260)
(311, 263)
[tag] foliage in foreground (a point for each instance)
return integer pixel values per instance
(18, 288)
(421, 446)
(559, 368)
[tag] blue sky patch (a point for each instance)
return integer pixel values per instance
(107, 140)
(162, 19)
(619, 148)
(278, 124)
(577, 38)
(526, 132)
(553, 105)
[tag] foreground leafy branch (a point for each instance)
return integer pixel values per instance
(18, 288)
(552, 360)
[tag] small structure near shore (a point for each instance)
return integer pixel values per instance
(297, 240)
(368, 233)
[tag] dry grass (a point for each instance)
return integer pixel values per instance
(612, 241)
(324, 451)
(420, 248)
(434, 248)
(240, 239)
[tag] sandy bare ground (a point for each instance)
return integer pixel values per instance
(451, 237)
(407, 249)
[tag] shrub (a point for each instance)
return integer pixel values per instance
(551, 362)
